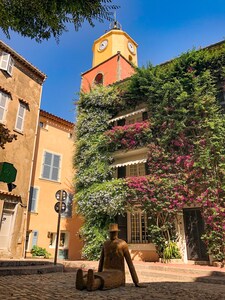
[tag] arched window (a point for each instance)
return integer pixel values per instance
(130, 58)
(98, 79)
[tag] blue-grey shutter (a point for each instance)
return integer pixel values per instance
(30, 199)
(55, 167)
(47, 165)
(33, 199)
(35, 238)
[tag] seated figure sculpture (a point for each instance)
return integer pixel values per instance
(111, 269)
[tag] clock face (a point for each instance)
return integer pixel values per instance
(103, 45)
(130, 47)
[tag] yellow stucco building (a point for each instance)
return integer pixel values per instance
(53, 171)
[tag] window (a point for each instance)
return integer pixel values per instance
(63, 240)
(70, 135)
(98, 79)
(140, 169)
(34, 239)
(4, 99)
(136, 170)
(43, 125)
(121, 172)
(121, 122)
(33, 199)
(134, 119)
(51, 166)
(20, 116)
(6, 62)
(138, 221)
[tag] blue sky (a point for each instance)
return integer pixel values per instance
(163, 30)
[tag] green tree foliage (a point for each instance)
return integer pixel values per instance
(40, 20)
(98, 196)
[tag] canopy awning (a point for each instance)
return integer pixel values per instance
(128, 115)
(128, 163)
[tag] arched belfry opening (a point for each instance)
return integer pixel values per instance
(98, 79)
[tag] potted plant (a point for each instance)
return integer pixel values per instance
(40, 252)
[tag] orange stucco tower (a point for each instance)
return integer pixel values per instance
(114, 58)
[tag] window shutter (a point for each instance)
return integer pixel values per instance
(122, 172)
(51, 166)
(3, 103)
(35, 238)
(30, 199)
(47, 165)
(10, 65)
(20, 116)
(33, 199)
(121, 122)
(145, 116)
(55, 167)
(4, 60)
(122, 224)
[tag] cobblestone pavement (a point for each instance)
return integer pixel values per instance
(61, 286)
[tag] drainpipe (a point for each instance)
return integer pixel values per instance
(31, 175)
(118, 75)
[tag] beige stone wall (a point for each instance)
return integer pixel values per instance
(25, 84)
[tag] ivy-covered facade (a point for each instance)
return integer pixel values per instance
(150, 156)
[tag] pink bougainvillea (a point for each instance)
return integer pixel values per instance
(129, 136)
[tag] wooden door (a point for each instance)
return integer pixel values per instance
(5, 229)
(194, 228)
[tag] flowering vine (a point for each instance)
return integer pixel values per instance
(129, 136)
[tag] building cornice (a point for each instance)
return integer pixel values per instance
(22, 60)
(110, 58)
(56, 119)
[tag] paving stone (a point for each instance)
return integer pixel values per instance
(61, 286)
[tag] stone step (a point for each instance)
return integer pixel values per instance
(182, 268)
(23, 262)
(168, 272)
(30, 269)
(178, 277)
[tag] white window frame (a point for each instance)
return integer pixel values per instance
(6, 62)
(137, 227)
(28, 241)
(135, 170)
(134, 119)
(44, 164)
(43, 125)
(5, 107)
(37, 189)
(21, 108)
(52, 241)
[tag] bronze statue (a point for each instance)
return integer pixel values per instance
(111, 269)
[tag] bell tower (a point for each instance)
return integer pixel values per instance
(114, 41)
(114, 58)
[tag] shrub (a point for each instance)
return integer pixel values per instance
(39, 251)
